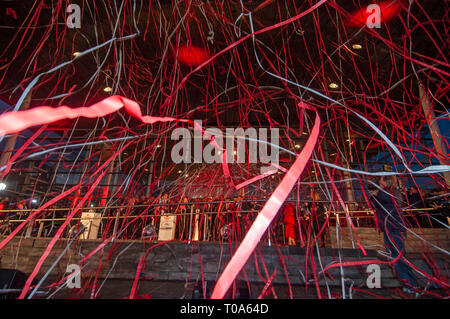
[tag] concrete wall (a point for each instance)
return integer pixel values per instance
(178, 261)
(371, 239)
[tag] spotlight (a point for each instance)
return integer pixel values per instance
(357, 46)
(107, 89)
(76, 54)
(297, 146)
(33, 203)
(180, 171)
(2, 186)
(333, 85)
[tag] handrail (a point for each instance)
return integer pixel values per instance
(418, 210)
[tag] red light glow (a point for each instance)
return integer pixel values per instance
(192, 56)
(388, 11)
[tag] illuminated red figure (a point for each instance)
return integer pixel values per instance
(387, 10)
(192, 56)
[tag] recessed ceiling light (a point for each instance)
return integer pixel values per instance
(158, 146)
(357, 46)
(76, 53)
(180, 171)
(297, 146)
(107, 89)
(333, 85)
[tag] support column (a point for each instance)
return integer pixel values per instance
(347, 175)
(149, 178)
(11, 141)
(435, 131)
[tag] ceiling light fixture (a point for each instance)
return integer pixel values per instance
(357, 46)
(107, 89)
(333, 85)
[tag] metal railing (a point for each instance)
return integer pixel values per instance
(192, 220)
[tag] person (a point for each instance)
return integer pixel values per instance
(219, 209)
(196, 219)
(390, 222)
(249, 213)
(133, 210)
(318, 220)
(206, 220)
(148, 225)
(237, 222)
(415, 202)
(21, 207)
(7, 203)
(289, 223)
(180, 213)
(439, 216)
(162, 208)
(3, 225)
(414, 199)
(2, 207)
(143, 200)
(224, 218)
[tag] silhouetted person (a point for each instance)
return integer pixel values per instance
(389, 221)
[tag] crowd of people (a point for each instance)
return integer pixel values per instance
(218, 218)
(229, 218)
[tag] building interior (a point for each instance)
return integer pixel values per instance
(245, 149)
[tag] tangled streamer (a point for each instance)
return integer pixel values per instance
(88, 114)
